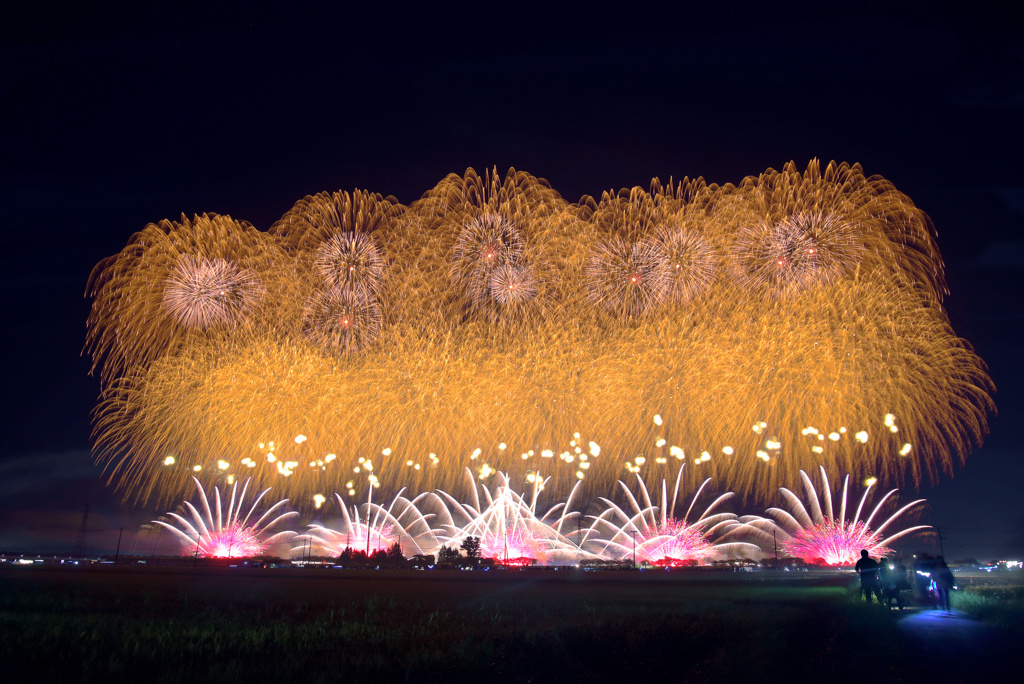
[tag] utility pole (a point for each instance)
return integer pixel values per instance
(117, 553)
(633, 532)
(579, 531)
(80, 550)
(776, 540)
(942, 553)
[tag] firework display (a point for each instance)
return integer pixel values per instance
(507, 524)
(653, 534)
(821, 536)
(220, 533)
(373, 527)
(751, 331)
(509, 530)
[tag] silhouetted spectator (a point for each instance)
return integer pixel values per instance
(944, 582)
(885, 583)
(900, 584)
(868, 571)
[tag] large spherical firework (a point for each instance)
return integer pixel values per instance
(203, 293)
(339, 242)
(853, 219)
(484, 244)
(512, 285)
(350, 262)
(203, 274)
(797, 252)
(692, 261)
(474, 225)
(629, 279)
(342, 320)
(551, 359)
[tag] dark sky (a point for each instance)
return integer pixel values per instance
(113, 120)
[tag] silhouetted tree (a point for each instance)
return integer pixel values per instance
(351, 558)
(447, 557)
(395, 557)
(471, 545)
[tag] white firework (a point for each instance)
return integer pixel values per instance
(202, 293)
(227, 533)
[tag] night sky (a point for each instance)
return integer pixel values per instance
(111, 121)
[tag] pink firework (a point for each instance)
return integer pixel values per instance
(217, 533)
(510, 546)
(654, 535)
(341, 321)
(692, 260)
(797, 252)
(351, 262)
(507, 524)
(372, 527)
(484, 244)
(819, 536)
(512, 285)
(834, 543)
(234, 541)
(674, 543)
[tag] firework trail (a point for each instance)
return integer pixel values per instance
(820, 536)
(226, 533)
(176, 283)
(372, 527)
(657, 536)
(751, 331)
(507, 524)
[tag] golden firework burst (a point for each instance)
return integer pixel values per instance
(491, 324)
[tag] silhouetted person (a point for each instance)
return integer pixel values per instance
(885, 583)
(923, 578)
(943, 578)
(868, 571)
(900, 584)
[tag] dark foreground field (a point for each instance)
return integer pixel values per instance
(107, 624)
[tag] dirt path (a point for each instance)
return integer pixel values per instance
(956, 648)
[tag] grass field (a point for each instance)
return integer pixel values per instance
(154, 625)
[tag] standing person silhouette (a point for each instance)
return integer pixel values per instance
(885, 585)
(943, 578)
(868, 571)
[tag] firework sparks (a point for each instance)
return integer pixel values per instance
(797, 252)
(507, 524)
(484, 245)
(202, 293)
(174, 278)
(590, 317)
(513, 285)
(819, 536)
(692, 262)
(342, 320)
(629, 279)
(655, 535)
(373, 528)
(217, 533)
(351, 263)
